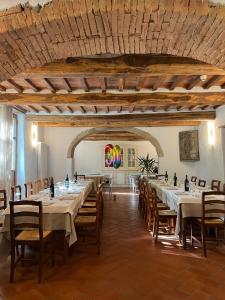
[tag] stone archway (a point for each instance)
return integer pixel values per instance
(33, 36)
(147, 136)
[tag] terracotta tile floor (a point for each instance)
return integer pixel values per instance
(130, 266)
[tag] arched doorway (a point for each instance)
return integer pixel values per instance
(139, 132)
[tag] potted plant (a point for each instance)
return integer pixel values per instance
(148, 166)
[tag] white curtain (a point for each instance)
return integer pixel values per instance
(6, 131)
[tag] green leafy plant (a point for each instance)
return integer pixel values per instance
(147, 165)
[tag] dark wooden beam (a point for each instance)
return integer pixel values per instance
(82, 109)
(121, 84)
(70, 109)
(193, 107)
(103, 84)
(46, 109)
(33, 108)
(32, 85)
(17, 87)
(193, 82)
(67, 84)
(121, 120)
(20, 108)
(84, 84)
(2, 88)
(131, 108)
(121, 99)
(95, 110)
(176, 79)
(119, 109)
(107, 109)
(59, 109)
(50, 86)
(157, 83)
(211, 82)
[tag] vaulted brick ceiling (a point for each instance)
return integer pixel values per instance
(30, 37)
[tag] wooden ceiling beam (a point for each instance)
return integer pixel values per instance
(121, 120)
(34, 108)
(176, 79)
(157, 83)
(84, 84)
(119, 109)
(46, 109)
(2, 88)
(59, 109)
(67, 84)
(82, 109)
(103, 84)
(131, 108)
(107, 99)
(106, 109)
(149, 124)
(95, 110)
(32, 85)
(20, 108)
(50, 86)
(17, 87)
(121, 84)
(179, 108)
(70, 109)
(193, 82)
(193, 107)
(211, 82)
(125, 66)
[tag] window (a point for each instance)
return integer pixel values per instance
(131, 157)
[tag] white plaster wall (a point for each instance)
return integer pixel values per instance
(89, 154)
(5, 4)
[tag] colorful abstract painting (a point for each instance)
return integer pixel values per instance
(113, 156)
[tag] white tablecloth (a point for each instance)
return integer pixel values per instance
(59, 212)
(190, 203)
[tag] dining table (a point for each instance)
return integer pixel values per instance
(187, 204)
(58, 212)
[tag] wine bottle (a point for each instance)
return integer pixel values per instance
(67, 182)
(166, 176)
(175, 179)
(186, 184)
(52, 188)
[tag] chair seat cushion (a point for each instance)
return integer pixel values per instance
(87, 210)
(84, 220)
(90, 199)
(212, 221)
(89, 204)
(167, 213)
(31, 235)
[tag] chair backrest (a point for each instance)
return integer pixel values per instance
(16, 192)
(213, 204)
(25, 215)
(154, 202)
(3, 199)
(45, 183)
(37, 186)
(215, 185)
(81, 176)
(202, 183)
(194, 179)
(28, 189)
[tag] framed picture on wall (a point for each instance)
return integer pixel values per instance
(189, 145)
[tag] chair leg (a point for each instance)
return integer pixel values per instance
(12, 264)
(157, 231)
(192, 240)
(23, 254)
(53, 249)
(40, 263)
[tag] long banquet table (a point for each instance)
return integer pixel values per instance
(59, 212)
(186, 204)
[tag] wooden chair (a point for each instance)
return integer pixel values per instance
(24, 232)
(194, 179)
(16, 193)
(213, 211)
(93, 194)
(45, 183)
(149, 205)
(3, 204)
(161, 215)
(81, 176)
(202, 183)
(28, 188)
(88, 226)
(141, 196)
(215, 185)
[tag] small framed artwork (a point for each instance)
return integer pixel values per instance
(189, 145)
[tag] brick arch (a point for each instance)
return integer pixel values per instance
(31, 37)
(147, 136)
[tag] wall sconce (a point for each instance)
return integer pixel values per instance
(34, 135)
(211, 133)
